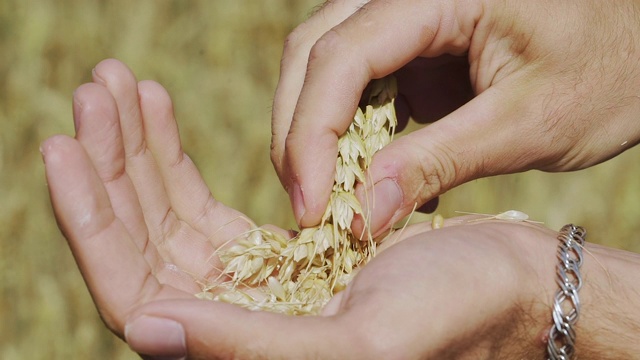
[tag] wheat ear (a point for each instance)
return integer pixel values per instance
(300, 275)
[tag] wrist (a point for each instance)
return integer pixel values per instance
(610, 296)
(609, 322)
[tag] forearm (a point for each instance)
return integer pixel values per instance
(609, 326)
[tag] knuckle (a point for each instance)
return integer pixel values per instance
(441, 173)
(331, 45)
(295, 40)
(276, 158)
(438, 172)
(291, 146)
(296, 46)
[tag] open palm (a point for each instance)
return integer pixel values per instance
(125, 184)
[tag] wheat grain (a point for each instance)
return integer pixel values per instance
(298, 276)
(437, 222)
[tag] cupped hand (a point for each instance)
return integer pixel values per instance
(142, 226)
(139, 218)
(517, 85)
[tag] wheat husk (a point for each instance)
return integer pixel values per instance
(298, 276)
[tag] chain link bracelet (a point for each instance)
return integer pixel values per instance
(566, 304)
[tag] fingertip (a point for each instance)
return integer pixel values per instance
(112, 71)
(308, 210)
(77, 195)
(155, 101)
(297, 203)
(151, 336)
(91, 98)
(159, 124)
(53, 147)
(361, 228)
(150, 90)
(62, 156)
(311, 159)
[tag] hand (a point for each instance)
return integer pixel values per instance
(556, 85)
(142, 225)
(140, 220)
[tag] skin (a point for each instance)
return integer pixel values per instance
(141, 225)
(513, 85)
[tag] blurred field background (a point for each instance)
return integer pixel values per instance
(219, 60)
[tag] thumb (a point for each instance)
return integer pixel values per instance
(204, 329)
(479, 139)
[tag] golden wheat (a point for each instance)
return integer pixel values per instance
(298, 276)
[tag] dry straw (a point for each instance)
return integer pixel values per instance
(266, 271)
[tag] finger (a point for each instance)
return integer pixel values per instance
(472, 142)
(122, 84)
(140, 165)
(216, 330)
(116, 273)
(188, 194)
(378, 39)
(292, 71)
(179, 246)
(409, 231)
(98, 130)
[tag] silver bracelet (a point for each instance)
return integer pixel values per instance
(566, 305)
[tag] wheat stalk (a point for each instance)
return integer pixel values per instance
(298, 276)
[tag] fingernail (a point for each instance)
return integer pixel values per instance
(298, 202)
(77, 110)
(45, 146)
(96, 78)
(383, 200)
(156, 338)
